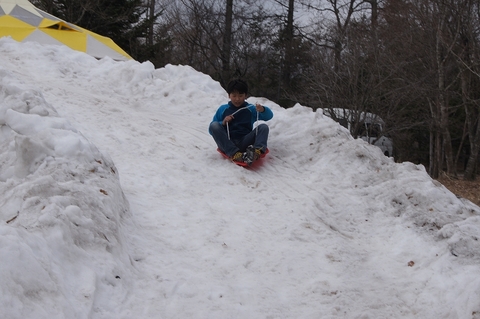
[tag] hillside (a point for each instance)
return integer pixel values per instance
(116, 205)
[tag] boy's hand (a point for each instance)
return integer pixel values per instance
(227, 119)
(259, 107)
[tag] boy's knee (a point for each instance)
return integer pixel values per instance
(215, 126)
(263, 128)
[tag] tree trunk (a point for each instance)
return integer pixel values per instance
(470, 170)
(374, 17)
(289, 52)
(443, 105)
(227, 42)
(473, 122)
(431, 161)
(151, 15)
(472, 109)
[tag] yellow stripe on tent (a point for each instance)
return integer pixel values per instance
(22, 21)
(9, 21)
(73, 39)
(18, 30)
(57, 24)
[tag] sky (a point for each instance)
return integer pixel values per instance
(115, 204)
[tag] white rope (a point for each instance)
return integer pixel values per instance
(245, 107)
(256, 128)
(242, 108)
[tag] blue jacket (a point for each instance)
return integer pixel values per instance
(246, 115)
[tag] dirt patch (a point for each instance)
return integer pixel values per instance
(466, 189)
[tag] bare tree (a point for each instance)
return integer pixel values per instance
(221, 38)
(150, 13)
(467, 53)
(227, 40)
(443, 44)
(288, 45)
(343, 13)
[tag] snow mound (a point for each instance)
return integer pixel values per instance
(327, 227)
(62, 209)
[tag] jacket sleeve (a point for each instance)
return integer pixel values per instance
(218, 116)
(266, 115)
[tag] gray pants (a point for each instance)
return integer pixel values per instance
(258, 138)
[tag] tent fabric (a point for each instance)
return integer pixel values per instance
(22, 21)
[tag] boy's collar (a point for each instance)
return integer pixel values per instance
(245, 103)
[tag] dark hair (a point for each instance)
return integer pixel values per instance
(237, 85)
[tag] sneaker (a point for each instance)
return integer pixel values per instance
(237, 157)
(250, 155)
(257, 154)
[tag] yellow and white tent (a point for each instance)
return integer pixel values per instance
(22, 21)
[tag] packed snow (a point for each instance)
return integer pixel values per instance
(115, 204)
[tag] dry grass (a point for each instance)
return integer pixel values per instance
(466, 189)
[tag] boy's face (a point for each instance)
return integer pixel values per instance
(237, 98)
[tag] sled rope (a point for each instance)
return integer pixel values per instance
(256, 127)
(243, 108)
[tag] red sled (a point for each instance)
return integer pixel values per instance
(242, 163)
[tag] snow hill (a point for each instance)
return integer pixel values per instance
(115, 204)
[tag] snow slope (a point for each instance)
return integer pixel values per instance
(115, 204)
